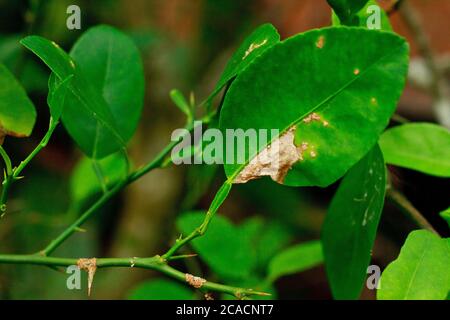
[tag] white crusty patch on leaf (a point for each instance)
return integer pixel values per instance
(90, 266)
(275, 160)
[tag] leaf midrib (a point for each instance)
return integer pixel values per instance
(408, 289)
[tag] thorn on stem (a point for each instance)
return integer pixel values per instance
(90, 266)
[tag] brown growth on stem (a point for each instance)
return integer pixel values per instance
(194, 281)
(90, 266)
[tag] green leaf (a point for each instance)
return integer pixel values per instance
(446, 215)
(267, 238)
(17, 112)
(160, 289)
(347, 9)
(421, 271)
(91, 123)
(418, 146)
(181, 102)
(295, 259)
(31, 75)
(334, 110)
(351, 224)
(113, 65)
(263, 38)
(56, 99)
(106, 97)
(85, 182)
(365, 16)
(224, 247)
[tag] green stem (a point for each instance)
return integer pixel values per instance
(14, 174)
(39, 147)
(404, 205)
(154, 263)
(63, 236)
(7, 161)
(155, 163)
(219, 198)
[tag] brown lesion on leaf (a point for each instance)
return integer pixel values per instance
(4, 133)
(274, 161)
(320, 43)
(278, 158)
(314, 117)
(356, 71)
(196, 282)
(90, 266)
(252, 47)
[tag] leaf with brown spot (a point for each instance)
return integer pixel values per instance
(296, 85)
(263, 38)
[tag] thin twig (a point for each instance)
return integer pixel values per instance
(219, 198)
(400, 119)
(155, 163)
(14, 173)
(153, 263)
(402, 203)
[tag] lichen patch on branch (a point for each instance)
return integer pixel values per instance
(194, 281)
(90, 266)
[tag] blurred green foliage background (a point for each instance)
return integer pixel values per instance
(184, 45)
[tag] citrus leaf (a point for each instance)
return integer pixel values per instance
(253, 46)
(446, 215)
(181, 102)
(421, 271)
(267, 238)
(351, 224)
(113, 65)
(362, 18)
(317, 103)
(295, 259)
(418, 146)
(17, 112)
(160, 289)
(56, 98)
(92, 125)
(85, 182)
(347, 9)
